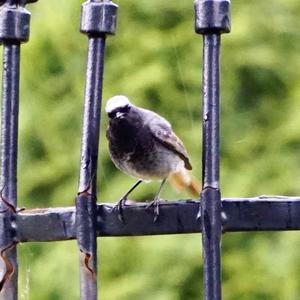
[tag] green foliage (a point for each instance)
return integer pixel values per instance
(155, 59)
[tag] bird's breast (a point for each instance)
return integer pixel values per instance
(135, 151)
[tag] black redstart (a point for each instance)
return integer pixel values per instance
(142, 144)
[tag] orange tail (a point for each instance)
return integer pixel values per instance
(181, 180)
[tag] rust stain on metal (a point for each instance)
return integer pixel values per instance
(87, 259)
(34, 211)
(9, 266)
(6, 202)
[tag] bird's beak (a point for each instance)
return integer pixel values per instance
(119, 115)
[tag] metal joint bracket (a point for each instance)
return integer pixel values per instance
(86, 219)
(17, 2)
(212, 16)
(7, 229)
(86, 222)
(14, 23)
(210, 212)
(98, 18)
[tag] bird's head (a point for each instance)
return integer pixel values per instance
(117, 107)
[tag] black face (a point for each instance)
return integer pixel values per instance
(123, 110)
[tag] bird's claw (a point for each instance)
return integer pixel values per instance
(155, 204)
(118, 208)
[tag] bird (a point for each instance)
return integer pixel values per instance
(143, 145)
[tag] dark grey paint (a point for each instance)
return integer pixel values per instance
(97, 20)
(212, 17)
(14, 29)
(178, 217)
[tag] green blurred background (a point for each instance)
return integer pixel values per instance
(155, 59)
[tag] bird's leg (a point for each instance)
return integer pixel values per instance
(119, 206)
(156, 200)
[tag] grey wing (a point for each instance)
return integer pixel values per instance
(162, 131)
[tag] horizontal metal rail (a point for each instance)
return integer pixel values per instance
(238, 214)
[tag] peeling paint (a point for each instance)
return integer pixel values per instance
(8, 265)
(86, 258)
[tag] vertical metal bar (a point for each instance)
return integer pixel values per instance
(86, 201)
(9, 122)
(14, 29)
(98, 19)
(210, 197)
(91, 118)
(211, 79)
(9, 149)
(212, 19)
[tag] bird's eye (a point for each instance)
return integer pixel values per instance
(112, 115)
(125, 109)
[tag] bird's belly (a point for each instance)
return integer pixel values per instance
(156, 164)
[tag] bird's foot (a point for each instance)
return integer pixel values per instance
(118, 208)
(155, 204)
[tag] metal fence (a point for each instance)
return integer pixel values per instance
(212, 215)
